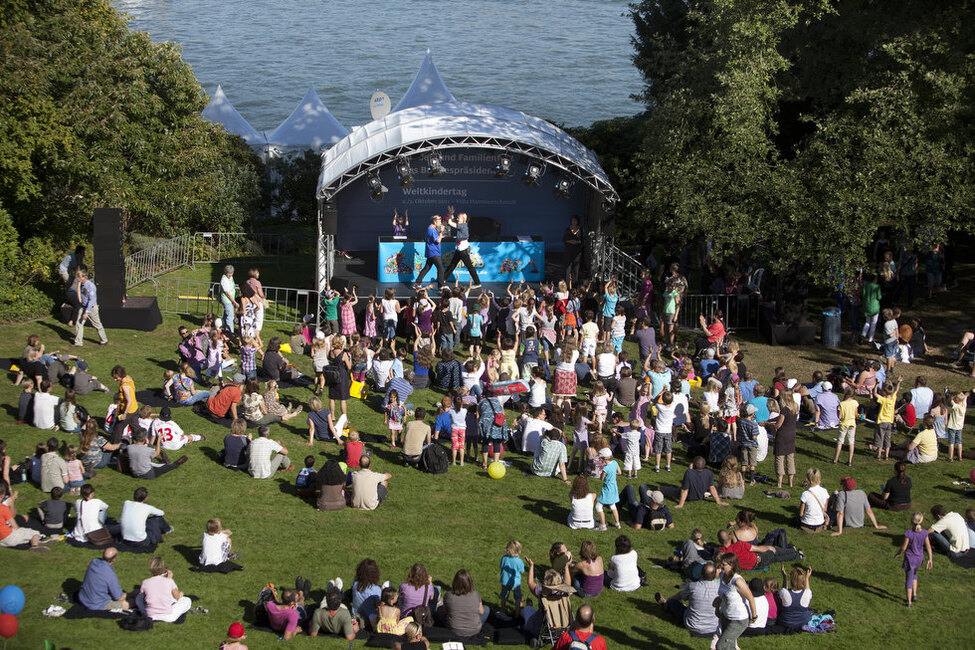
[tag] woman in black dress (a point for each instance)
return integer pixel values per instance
(341, 359)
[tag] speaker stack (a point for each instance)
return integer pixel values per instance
(135, 313)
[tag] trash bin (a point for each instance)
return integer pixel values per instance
(832, 328)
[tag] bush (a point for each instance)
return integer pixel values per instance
(23, 303)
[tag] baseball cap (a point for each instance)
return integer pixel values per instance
(236, 631)
(657, 497)
(791, 383)
(605, 453)
(239, 378)
(848, 483)
(165, 414)
(827, 386)
(751, 409)
(82, 365)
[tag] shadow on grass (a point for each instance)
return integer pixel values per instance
(165, 364)
(211, 453)
(71, 586)
(548, 509)
(62, 331)
(862, 587)
(189, 553)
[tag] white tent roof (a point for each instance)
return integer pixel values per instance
(221, 111)
(310, 126)
(427, 87)
(453, 124)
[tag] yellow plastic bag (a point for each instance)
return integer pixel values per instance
(286, 348)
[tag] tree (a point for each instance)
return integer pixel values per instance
(93, 114)
(794, 129)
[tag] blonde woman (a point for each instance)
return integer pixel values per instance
(159, 597)
(812, 503)
(730, 483)
(341, 359)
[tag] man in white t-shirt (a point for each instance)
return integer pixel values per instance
(142, 524)
(261, 465)
(44, 406)
(228, 292)
(921, 397)
(535, 428)
(949, 533)
(369, 488)
(90, 513)
(170, 432)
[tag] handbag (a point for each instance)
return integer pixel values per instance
(99, 536)
(499, 419)
(421, 613)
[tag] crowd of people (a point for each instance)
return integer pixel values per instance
(532, 372)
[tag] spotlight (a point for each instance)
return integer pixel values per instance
(533, 172)
(562, 188)
(435, 165)
(376, 188)
(404, 172)
(503, 168)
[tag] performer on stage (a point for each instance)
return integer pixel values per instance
(434, 235)
(572, 238)
(462, 232)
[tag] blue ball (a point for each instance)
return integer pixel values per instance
(11, 600)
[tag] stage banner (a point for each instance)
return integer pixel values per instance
(506, 261)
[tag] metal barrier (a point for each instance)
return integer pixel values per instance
(206, 248)
(161, 258)
(196, 298)
(740, 311)
(609, 260)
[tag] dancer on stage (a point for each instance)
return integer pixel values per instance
(434, 235)
(462, 232)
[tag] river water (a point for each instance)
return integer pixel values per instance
(567, 61)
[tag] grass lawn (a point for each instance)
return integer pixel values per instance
(464, 519)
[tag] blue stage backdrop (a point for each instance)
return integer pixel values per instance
(470, 186)
(508, 261)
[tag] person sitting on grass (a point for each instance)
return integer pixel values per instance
(755, 557)
(260, 463)
(11, 534)
(159, 597)
(141, 457)
(223, 401)
(851, 505)
(142, 524)
(416, 436)
(334, 618)
(289, 617)
(698, 615)
(307, 478)
(369, 488)
(216, 546)
(100, 590)
(698, 480)
(235, 446)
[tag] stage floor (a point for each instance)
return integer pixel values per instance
(363, 269)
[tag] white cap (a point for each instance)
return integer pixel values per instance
(790, 384)
(605, 453)
(827, 386)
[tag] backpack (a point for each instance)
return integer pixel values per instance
(265, 596)
(579, 644)
(332, 375)
(435, 459)
(67, 380)
(135, 622)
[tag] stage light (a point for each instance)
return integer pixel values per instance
(503, 168)
(562, 188)
(533, 172)
(376, 188)
(404, 172)
(435, 165)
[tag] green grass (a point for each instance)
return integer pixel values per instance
(464, 519)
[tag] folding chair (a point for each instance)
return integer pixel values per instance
(558, 618)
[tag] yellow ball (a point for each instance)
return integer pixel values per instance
(497, 469)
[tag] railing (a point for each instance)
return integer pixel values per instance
(161, 258)
(609, 260)
(206, 248)
(196, 298)
(740, 311)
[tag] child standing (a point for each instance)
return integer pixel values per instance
(663, 427)
(885, 418)
(458, 429)
(305, 481)
(848, 424)
(394, 416)
(319, 359)
(509, 350)
(512, 566)
(476, 321)
(369, 319)
(916, 542)
(590, 334)
(631, 444)
(610, 494)
(955, 422)
(248, 357)
(390, 309)
(580, 435)
(346, 312)
(531, 347)
(600, 404)
(618, 329)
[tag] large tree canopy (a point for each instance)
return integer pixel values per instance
(93, 114)
(794, 129)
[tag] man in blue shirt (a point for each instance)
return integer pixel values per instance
(89, 311)
(101, 589)
(462, 233)
(434, 235)
(760, 402)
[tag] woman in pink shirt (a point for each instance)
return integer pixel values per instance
(159, 597)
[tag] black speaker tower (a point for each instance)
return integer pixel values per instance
(117, 311)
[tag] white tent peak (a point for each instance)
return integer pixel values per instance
(221, 111)
(310, 126)
(427, 87)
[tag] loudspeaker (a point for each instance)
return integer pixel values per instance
(330, 219)
(109, 263)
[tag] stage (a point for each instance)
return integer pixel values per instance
(361, 271)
